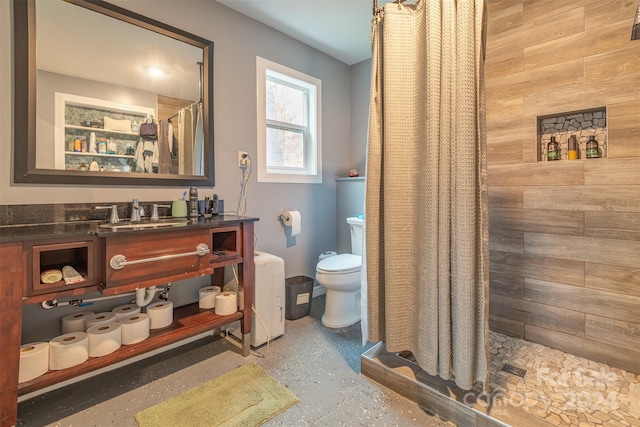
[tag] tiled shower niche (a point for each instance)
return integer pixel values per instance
(582, 124)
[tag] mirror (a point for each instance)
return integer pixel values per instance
(88, 77)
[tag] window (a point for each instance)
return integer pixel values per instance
(289, 141)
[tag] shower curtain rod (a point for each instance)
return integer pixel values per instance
(398, 2)
(201, 78)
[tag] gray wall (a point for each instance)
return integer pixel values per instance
(350, 202)
(238, 40)
(360, 89)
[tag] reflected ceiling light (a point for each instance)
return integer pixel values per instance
(154, 71)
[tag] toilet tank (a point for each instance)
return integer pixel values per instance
(356, 225)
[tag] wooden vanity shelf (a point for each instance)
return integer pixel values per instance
(81, 255)
(188, 321)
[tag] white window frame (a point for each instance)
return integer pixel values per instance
(312, 171)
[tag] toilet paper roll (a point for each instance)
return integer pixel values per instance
(51, 276)
(96, 319)
(68, 350)
(208, 296)
(226, 303)
(160, 314)
(292, 219)
(34, 361)
(75, 322)
(104, 338)
(126, 310)
(134, 328)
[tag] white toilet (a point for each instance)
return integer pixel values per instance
(340, 275)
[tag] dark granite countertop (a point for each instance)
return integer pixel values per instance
(26, 232)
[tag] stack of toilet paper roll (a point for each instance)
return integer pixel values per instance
(208, 296)
(98, 318)
(126, 310)
(160, 314)
(226, 303)
(87, 334)
(75, 322)
(104, 338)
(34, 361)
(134, 328)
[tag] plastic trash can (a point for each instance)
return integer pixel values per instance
(298, 294)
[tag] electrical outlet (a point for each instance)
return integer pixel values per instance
(242, 158)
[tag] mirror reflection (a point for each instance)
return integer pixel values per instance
(113, 96)
(96, 93)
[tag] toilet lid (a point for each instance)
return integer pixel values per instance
(343, 263)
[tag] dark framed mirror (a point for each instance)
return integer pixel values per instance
(87, 76)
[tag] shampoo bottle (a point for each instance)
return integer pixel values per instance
(553, 150)
(592, 148)
(102, 146)
(572, 153)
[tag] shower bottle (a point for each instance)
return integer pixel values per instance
(553, 150)
(572, 152)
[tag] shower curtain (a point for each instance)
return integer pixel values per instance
(191, 140)
(426, 191)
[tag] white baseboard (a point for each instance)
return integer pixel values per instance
(319, 290)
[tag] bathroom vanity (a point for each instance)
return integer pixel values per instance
(115, 261)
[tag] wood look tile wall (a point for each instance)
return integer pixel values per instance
(564, 236)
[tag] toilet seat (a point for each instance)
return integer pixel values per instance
(340, 264)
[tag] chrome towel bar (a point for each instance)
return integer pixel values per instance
(119, 261)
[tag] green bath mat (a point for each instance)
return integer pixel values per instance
(247, 396)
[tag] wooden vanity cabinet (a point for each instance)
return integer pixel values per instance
(21, 264)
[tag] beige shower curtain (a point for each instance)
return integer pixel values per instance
(426, 191)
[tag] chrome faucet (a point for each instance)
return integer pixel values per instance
(114, 219)
(137, 211)
(154, 211)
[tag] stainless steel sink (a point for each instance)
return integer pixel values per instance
(141, 225)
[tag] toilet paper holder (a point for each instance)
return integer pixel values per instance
(284, 217)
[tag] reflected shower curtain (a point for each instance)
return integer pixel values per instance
(426, 192)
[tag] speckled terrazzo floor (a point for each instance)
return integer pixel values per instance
(562, 389)
(321, 366)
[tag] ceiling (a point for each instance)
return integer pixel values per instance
(339, 28)
(135, 50)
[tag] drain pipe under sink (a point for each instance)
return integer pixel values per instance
(145, 295)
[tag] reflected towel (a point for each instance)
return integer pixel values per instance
(165, 138)
(146, 156)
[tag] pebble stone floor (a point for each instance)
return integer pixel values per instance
(319, 365)
(562, 389)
